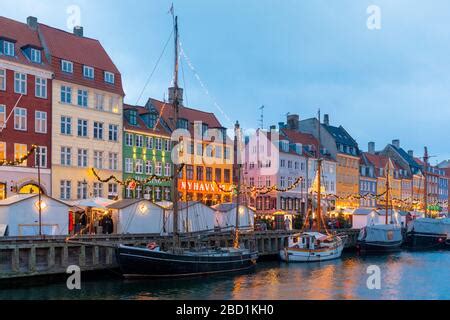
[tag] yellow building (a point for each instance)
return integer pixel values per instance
(347, 181)
(86, 116)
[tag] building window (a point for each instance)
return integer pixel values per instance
(35, 55)
(81, 190)
(88, 72)
(167, 169)
(227, 176)
(112, 190)
(40, 122)
(8, 48)
(20, 119)
(128, 165)
(99, 101)
(66, 156)
(208, 174)
(98, 130)
(83, 98)
(150, 143)
(132, 117)
(98, 190)
(158, 144)
(109, 77)
(65, 189)
(199, 149)
(113, 161)
(139, 141)
(148, 167)
(20, 83)
(2, 116)
(40, 157)
(167, 145)
(66, 125)
(199, 173)
(82, 128)
(41, 88)
(189, 172)
(218, 175)
(66, 94)
(2, 79)
(158, 169)
(2, 150)
(98, 159)
(113, 132)
(128, 139)
(66, 66)
(82, 158)
(139, 166)
(20, 151)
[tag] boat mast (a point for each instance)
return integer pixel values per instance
(319, 173)
(237, 139)
(175, 105)
(387, 192)
(425, 189)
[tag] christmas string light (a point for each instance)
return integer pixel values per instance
(19, 161)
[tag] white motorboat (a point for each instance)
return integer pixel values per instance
(312, 246)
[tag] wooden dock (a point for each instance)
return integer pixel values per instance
(25, 257)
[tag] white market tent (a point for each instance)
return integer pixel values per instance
(137, 216)
(225, 215)
(99, 203)
(363, 217)
(20, 213)
(193, 216)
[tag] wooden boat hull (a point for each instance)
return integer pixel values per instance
(140, 262)
(296, 255)
(425, 241)
(379, 247)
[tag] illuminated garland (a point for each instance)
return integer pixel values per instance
(4, 162)
(137, 182)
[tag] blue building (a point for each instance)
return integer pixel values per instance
(367, 182)
(443, 191)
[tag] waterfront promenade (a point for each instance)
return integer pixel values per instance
(23, 257)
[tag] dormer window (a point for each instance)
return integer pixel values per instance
(88, 72)
(182, 124)
(8, 48)
(35, 55)
(109, 77)
(133, 117)
(66, 66)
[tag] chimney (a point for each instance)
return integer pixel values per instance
(371, 147)
(32, 22)
(281, 125)
(172, 95)
(396, 143)
(78, 31)
(326, 119)
(293, 122)
(273, 128)
(411, 153)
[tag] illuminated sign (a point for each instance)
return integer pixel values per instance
(200, 186)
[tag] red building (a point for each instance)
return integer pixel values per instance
(25, 108)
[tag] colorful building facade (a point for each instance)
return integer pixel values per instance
(146, 154)
(87, 105)
(25, 109)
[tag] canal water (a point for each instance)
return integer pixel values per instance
(406, 275)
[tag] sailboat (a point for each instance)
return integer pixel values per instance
(314, 246)
(381, 238)
(151, 261)
(428, 233)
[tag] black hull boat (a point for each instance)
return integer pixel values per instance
(380, 239)
(426, 241)
(428, 234)
(378, 247)
(143, 262)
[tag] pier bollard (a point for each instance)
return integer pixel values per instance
(15, 260)
(109, 254)
(51, 257)
(32, 259)
(82, 257)
(95, 256)
(65, 256)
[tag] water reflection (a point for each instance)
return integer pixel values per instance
(406, 275)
